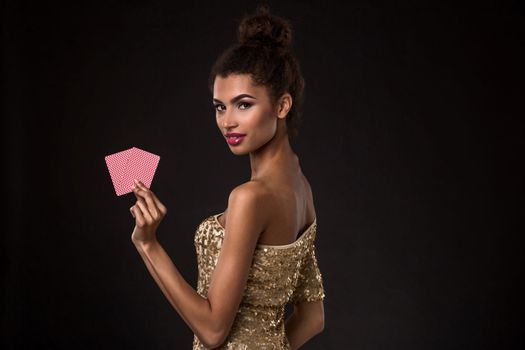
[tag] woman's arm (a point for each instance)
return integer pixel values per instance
(306, 321)
(209, 318)
(194, 309)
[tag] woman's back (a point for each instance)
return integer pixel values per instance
(289, 206)
(279, 274)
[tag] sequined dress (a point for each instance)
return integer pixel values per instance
(279, 274)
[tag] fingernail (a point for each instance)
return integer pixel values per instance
(136, 181)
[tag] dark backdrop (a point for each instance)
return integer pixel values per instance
(411, 141)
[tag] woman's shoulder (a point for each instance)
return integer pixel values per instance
(251, 190)
(250, 193)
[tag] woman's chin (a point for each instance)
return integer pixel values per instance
(238, 152)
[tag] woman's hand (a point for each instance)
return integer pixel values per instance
(148, 212)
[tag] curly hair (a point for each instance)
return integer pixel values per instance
(263, 51)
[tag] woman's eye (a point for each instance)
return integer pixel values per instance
(217, 106)
(246, 104)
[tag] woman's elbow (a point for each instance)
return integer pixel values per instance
(213, 340)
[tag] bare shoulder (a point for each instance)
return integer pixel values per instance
(251, 190)
(249, 200)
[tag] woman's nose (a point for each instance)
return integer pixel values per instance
(228, 120)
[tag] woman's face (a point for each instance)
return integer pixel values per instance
(245, 109)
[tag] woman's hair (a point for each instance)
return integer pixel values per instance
(263, 51)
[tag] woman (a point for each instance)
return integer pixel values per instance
(258, 254)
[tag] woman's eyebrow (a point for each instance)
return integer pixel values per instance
(236, 98)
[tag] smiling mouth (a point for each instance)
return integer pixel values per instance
(235, 140)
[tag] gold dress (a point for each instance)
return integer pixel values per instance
(279, 274)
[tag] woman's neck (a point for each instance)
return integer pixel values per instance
(275, 156)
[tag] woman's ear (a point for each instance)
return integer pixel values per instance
(284, 105)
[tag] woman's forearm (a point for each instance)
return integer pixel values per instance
(193, 308)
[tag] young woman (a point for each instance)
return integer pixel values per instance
(258, 254)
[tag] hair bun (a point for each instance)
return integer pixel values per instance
(265, 28)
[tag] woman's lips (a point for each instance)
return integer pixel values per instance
(235, 140)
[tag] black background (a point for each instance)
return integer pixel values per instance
(412, 142)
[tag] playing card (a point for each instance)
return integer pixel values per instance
(141, 166)
(116, 164)
(133, 163)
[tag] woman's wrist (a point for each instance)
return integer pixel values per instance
(144, 245)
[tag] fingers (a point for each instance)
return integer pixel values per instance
(142, 213)
(137, 214)
(147, 203)
(150, 206)
(143, 190)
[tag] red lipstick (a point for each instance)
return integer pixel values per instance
(234, 138)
